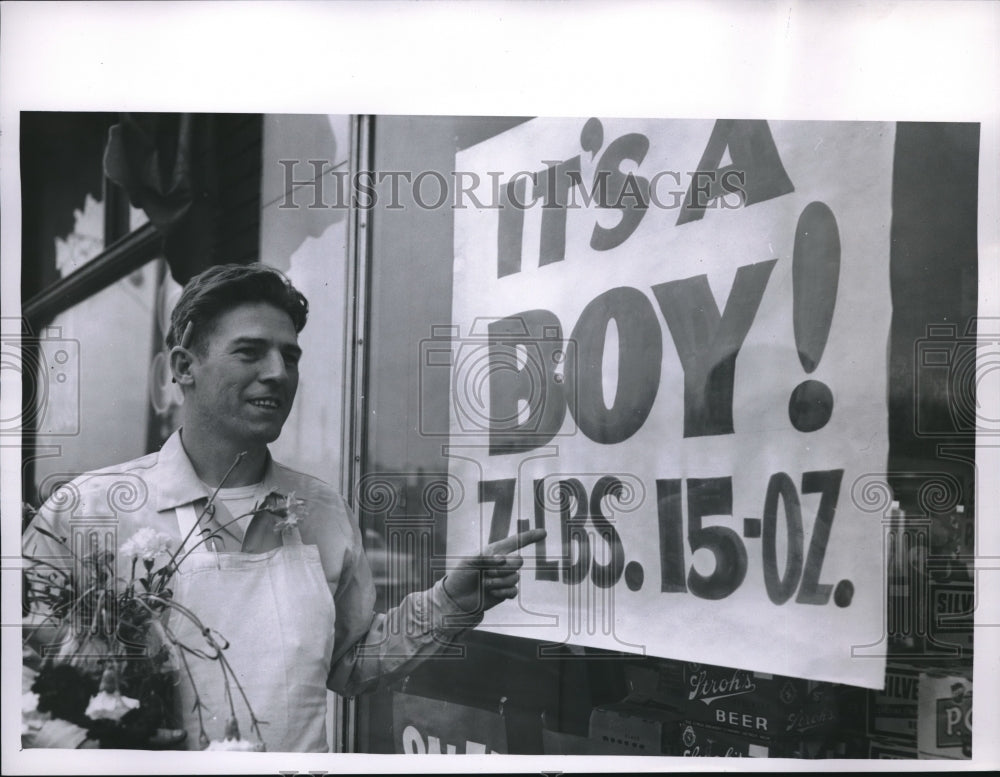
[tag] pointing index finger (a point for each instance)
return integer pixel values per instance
(516, 541)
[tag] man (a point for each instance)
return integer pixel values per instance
(289, 590)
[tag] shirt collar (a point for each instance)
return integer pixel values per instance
(178, 484)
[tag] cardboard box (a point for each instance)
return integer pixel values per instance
(893, 711)
(754, 704)
(562, 743)
(639, 728)
(885, 749)
(695, 739)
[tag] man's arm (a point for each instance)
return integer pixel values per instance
(373, 647)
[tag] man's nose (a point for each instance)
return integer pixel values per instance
(273, 367)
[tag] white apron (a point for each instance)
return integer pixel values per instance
(276, 612)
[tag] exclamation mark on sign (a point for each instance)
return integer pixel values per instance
(815, 277)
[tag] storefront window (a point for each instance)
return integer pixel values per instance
(94, 358)
(579, 693)
(98, 278)
(69, 213)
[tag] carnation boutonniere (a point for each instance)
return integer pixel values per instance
(288, 509)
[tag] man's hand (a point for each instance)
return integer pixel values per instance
(482, 582)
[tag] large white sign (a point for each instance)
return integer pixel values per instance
(669, 350)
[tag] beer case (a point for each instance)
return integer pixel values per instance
(881, 749)
(753, 704)
(893, 711)
(635, 724)
(697, 739)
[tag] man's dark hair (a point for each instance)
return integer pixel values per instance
(224, 286)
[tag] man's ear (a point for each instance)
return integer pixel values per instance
(181, 361)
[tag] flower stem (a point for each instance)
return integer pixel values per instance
(214, 534)
(202, 736)
(219, 655)
(254, 722)
(211, 500)
(39, 562)
(229, 693)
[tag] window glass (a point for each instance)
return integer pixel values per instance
(64, 194)
(95, 378)
(576, 700)
(405, 492)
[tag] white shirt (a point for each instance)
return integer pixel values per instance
(240, 500)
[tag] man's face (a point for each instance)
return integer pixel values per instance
(245, 374)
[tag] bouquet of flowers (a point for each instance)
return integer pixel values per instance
(101, 661)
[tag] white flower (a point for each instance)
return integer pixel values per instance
(31, 719)
(110, 706)
(232, 740)
(291, 510)
(29, 702)
(242, 745)
(146, 544)
(58, 733)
